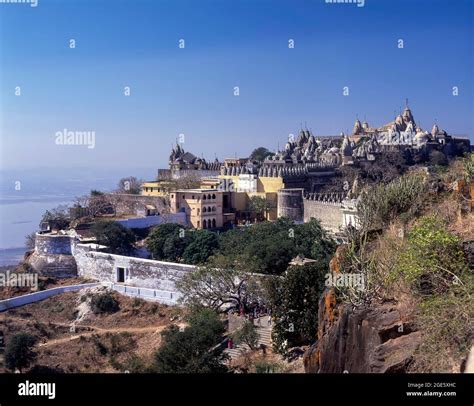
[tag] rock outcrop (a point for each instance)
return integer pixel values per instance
(379, 338)
(362, 340)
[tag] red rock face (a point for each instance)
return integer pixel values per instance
(376, 339)
(365, 340)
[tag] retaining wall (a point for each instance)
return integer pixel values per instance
(41, 295)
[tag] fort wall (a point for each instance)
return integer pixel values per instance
(290, 204)
(137, 272)
(131, 204)
(328, 213)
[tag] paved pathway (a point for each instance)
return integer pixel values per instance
(264, 331)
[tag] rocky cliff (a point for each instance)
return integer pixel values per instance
(380, 338)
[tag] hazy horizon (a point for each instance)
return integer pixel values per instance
(190, 90)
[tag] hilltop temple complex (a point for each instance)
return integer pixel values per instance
(291, 180)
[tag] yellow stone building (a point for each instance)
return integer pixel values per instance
(243, 187)
(158, 188)
(204, 208)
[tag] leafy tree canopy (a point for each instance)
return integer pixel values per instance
(195, 349)
(260, 153)
(19, 352)
(294, 300)
(115, 236)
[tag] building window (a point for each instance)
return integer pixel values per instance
(193, 197)
(213, 196)
(214, 208)
(204, 224)
(213, 223)
(204, 197)
(209, 197)
(204, 209)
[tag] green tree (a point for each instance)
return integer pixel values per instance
(118, 238)
(19, 352)
(223, 283)
(270, 246)
(246, 334)
(203, 245)
(259, 154)
(195, 349)
(168, 241)
(312, 241)
(261, 206)
(294, 300)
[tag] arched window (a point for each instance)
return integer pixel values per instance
(209, 197)
(204, 209)
(204, 197)
(213, 196)
(204, 224)
(213, 223)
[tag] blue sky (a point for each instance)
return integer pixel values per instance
(227, 43)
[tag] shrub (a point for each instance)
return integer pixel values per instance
(134, 364)
(294, 300)
(118, 238)
(194, 350)
(104, 303)
(433, 260)
(247, 334)
(267, 367)
(19, 351)
(432, 263)
(383, 203)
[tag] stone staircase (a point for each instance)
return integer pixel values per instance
(264, 337)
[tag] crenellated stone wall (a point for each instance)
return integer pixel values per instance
(328, 213)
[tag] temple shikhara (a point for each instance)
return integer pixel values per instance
(292, 181)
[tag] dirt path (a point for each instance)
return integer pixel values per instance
(99, 330)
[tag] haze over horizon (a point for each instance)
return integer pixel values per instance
(190, 91)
